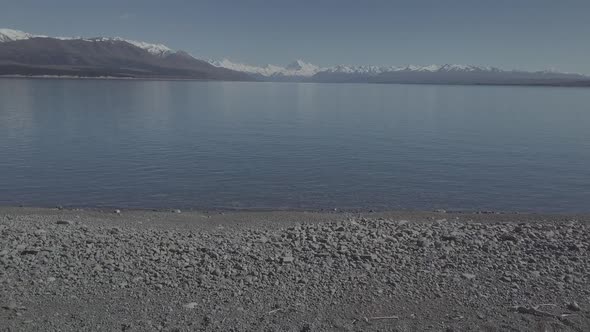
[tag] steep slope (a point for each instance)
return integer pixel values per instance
(26, 54)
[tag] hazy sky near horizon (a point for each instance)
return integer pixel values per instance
(511, 34)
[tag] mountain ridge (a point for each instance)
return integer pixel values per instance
(8, 35)
(270, 70)
(23, 53)
(26, 54)
(409, 74)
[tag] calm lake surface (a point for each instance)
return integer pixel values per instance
(142, 144)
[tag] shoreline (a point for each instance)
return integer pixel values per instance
(366, 211)
(576, 84)
(273, 218)
(141, 270)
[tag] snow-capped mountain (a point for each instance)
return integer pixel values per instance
(304, 69)
(27, 54)
(376, 70)
(364, 73)
(297, 68)
(8, 35)
(155, 49)
(24, 53)
(300, 68)
(416, 74)
(443, 74)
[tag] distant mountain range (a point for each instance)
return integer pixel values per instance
(412, 74)
(26, 54)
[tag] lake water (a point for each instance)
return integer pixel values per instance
(142, 144)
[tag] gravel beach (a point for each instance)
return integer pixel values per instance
(91, 270)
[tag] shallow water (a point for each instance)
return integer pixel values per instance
(161, 144)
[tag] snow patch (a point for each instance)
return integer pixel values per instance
(155, 49)
(304, 69)
(8, 35)
(296, 68)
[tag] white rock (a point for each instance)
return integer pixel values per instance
(191, 305)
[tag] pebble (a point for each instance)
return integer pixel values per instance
(468, 276)
(573, 306)
(423, 242)
(191, 305)
(353, 262)
(369, 257)
(64, 222)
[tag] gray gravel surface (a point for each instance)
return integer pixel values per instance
(74, 270)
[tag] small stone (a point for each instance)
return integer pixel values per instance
(574, 247)
(288, 259)
(191, 305)
(302, 281)
(117, 211)
(370, 257)
(468, 276)
(50, 279)
(508, 237)
(64, 222)
(306, 328)
(450, 237)
(423, 242)
(114, 230)
(10, 306)
(573, 306)
(177, 211)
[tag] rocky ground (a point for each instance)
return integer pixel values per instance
(73, 270)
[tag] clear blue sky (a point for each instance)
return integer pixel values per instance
(522, 34)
